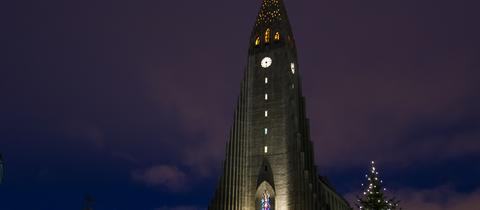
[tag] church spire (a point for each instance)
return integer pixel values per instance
(271, 26)
(269, 162)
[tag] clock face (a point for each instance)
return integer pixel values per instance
(266, 62)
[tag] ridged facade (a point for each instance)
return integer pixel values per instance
(270, 151)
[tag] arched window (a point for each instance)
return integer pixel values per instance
(265, 195)
(257, 41)
(277, 36)
(267, 35)
(265, 203)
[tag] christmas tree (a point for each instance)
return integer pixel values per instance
(373, 197)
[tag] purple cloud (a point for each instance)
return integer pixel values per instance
(162, 175)
(441, 198)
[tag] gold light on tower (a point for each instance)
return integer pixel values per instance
(257, 41)
(277, 36)
(267, 35)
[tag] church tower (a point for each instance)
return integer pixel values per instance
(269, 161)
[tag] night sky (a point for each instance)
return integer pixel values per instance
(131, 101)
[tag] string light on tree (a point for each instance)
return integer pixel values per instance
(373, 197)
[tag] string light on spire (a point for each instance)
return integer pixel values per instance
(269, 12)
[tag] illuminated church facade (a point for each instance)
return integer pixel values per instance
(269, 162)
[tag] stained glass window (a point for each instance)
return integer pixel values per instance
(265, 201)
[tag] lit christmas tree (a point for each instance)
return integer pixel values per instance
(373, 197)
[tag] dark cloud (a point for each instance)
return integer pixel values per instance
(441, 198)
(163, 176)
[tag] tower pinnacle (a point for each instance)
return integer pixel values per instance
(271, 27)
(271, 12)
